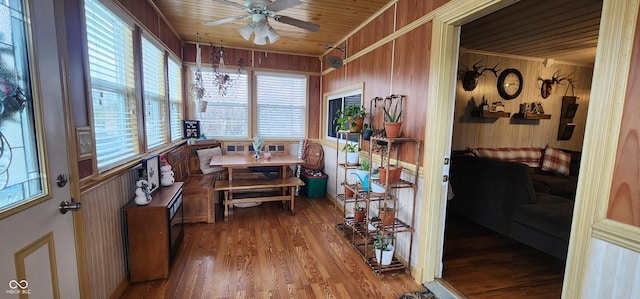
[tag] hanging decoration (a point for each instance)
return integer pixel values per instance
(221, 78)
(197, 88)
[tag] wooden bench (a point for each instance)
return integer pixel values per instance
(248, 184)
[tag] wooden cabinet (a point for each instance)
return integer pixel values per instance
(154, 234)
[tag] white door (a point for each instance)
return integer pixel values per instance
(37, 245)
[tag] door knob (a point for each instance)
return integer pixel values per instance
(69, 206)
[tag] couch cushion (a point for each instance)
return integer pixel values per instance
(556, 161)
(554, 184)
(205, 155)
(551, 218)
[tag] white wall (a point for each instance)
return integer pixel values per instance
(612, 272)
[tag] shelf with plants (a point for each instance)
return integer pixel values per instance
(388, 227)
(371, 234)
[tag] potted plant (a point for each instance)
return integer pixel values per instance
(390, 174)
(347, 192)
(393, 121)
(384, 249)
(351, 118)
(359, 212)
(353, 152)
(387, 215)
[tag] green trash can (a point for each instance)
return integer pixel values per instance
(315, 184)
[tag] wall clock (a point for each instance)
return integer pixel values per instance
(510, 84)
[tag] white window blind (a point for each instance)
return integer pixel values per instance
(228, 116)
(110, 49)
(281, 104)
(155, 101)
(175, 99)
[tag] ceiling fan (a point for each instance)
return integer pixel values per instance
(260, 11)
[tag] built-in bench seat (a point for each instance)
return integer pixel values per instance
(199, 198)
(229, 186)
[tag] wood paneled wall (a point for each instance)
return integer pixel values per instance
(103, 228)
(146, 14)
(624, 201)
(473, 132)
(399, 66)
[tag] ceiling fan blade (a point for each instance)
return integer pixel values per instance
(298, 23)
(240, 6)
(279, 5)
(225, 20)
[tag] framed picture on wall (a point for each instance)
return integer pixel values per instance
(190, 129)
(151, 172)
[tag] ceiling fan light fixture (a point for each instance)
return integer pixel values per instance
(272, 35)
(260, 40)
(246, 31)
(261, 29)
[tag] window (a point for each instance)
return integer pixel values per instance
(20, 173)
(338, 101)
(175, 99)
(228, 116)
(110, 49)
(155, 101)
(281, 104)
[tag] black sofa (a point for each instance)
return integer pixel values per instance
(524, 203)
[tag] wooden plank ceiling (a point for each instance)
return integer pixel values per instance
(559, 29)
(336, 18)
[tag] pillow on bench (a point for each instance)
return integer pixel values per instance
(205, 155)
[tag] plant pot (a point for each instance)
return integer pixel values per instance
(352, 158)
(358, 124)
(384, 257)
(387, 217)
(393, 173)
(366, 134)
(392, 129)
(348, 192)
(359, 215)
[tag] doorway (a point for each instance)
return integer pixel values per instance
(445, 42)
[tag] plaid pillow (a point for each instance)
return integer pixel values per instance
(527, 155)
(556, 161)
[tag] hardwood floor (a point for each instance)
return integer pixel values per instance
(264, 252)
(483, 264)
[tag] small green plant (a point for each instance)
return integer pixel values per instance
(346, 118)
(383, 243)
(364, 164)
(351, 147)
(395, 117)
(358, 207)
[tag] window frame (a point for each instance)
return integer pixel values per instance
(329, 115)
(162, 99)
(305, 114)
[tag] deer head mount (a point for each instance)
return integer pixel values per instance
(547, 84)
(470, 78)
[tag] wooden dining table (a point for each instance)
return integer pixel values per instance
(243, 161)
(231, 162)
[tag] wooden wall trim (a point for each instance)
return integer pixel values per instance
(610, 76)
(620, 234)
